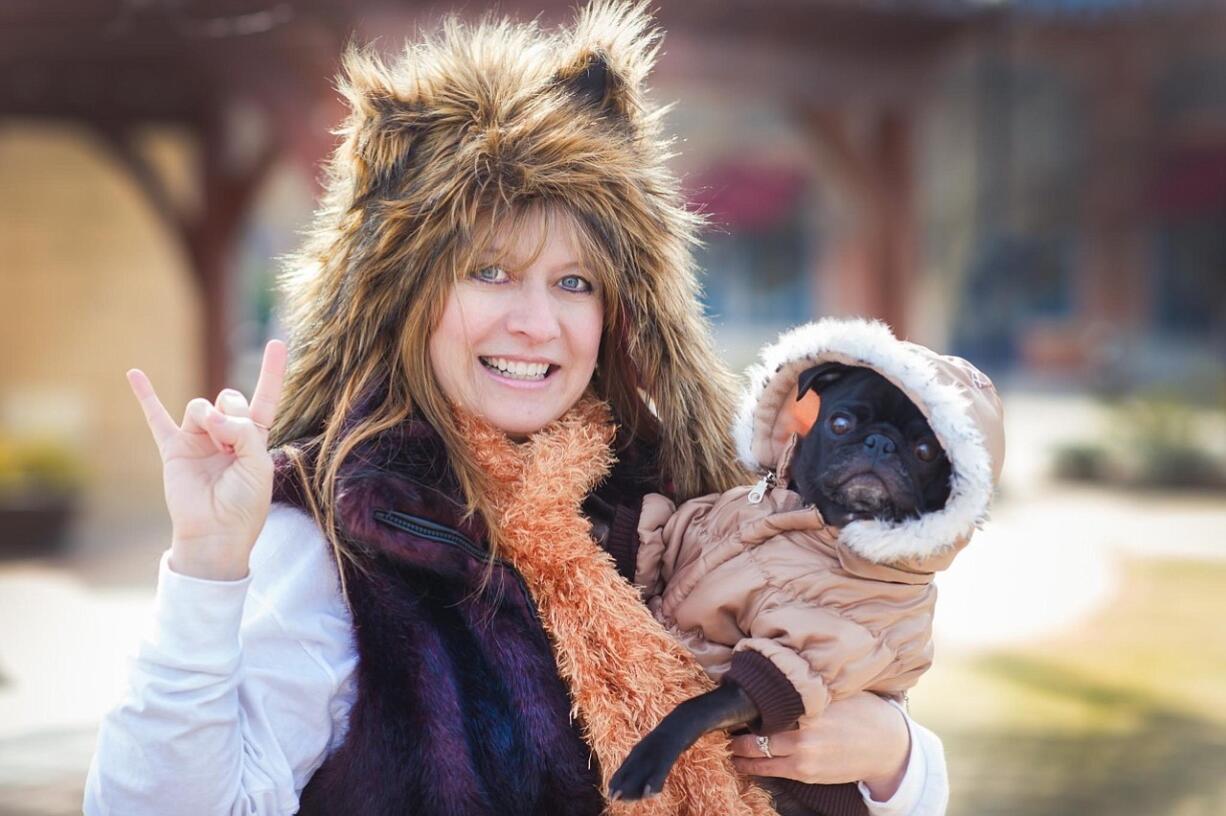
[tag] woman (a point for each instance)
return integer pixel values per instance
(498, 351)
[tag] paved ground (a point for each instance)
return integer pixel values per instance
(1049, 557)
(66, 626)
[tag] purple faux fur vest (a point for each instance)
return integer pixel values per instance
(459, 708)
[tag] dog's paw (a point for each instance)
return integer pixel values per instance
(644, 771)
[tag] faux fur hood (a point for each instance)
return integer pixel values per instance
(505, 114)
(959, 402)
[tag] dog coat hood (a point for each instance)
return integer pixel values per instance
(959, 402)
(498, 115)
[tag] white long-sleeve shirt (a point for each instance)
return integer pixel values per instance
(240, 690)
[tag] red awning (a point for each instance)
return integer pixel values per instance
(1191, 182)
(745, 197)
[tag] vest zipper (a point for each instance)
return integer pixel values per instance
(443, 534)
(433, 531)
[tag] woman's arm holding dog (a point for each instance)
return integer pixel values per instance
(900, 764)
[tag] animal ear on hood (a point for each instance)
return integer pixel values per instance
(820, 377)
(606, 58)
(383, 122)
(596, 86)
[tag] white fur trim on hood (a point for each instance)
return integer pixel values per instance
(959, 402)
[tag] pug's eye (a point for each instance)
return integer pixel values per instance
(841, 424)
(926, 451)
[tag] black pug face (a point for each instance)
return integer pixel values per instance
(871, 453)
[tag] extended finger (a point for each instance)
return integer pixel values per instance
(268, 388)
(161, 424)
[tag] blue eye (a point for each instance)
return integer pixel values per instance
(574, 283)
(490, 274)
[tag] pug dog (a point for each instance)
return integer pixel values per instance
(870, 454)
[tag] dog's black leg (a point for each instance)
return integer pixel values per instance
(645, 769)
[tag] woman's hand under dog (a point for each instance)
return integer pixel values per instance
(216, 470)
(860, 738)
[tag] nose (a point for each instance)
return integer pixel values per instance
(532, 315)
(880, 444)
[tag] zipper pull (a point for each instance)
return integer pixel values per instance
(759, 490)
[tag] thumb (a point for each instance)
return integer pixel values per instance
(242, 435)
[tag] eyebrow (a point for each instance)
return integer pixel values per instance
(494, 253)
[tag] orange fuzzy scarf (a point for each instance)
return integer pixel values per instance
(623, 670)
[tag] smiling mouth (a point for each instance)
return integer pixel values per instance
(517, 370)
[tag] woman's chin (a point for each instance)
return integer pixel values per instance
(517, 419)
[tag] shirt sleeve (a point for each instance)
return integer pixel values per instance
(238, 689)
(924, 790)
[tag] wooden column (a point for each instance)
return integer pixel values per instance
(872, 255)
(228, 193)
(1114, 285)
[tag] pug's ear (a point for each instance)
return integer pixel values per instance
(820, 377)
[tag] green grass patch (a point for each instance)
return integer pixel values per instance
(1159, 644)
(1123, 713)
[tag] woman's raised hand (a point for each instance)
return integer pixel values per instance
(216, 470)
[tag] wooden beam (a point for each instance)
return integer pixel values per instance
(120, 144)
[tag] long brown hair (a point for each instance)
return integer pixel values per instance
(478, 125)
(325, 384)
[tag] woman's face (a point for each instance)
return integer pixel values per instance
(518, 340)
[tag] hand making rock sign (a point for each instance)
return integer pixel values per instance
(216, 470)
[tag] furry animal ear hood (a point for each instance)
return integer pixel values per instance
(959, 402)
(501, 114)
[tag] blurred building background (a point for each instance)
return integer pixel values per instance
(1038, 185)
